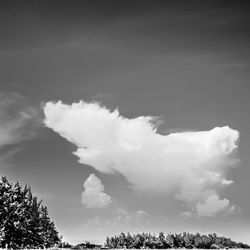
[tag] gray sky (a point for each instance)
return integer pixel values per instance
(186, 63)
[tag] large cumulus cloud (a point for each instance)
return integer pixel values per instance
(193, 165)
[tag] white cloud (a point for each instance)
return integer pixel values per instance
(93, 195)
(193, 165)
(213, 205)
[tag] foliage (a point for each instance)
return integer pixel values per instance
(182, 240)
(24, 221)
(86, 245)
(64, 245)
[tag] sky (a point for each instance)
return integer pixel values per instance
(129, 116)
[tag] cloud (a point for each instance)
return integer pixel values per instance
(17, 119)
(191, 165)
(121, 221)
(93, 195)
(212, 206)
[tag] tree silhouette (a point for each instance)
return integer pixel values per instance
(181, 240)
(24, 222)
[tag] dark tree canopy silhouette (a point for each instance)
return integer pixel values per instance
(182, 240)
(24, 221)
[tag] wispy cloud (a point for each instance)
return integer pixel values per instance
(192, 166)
(18, 123)
(17, 119)
(93, 195)
(121, 221)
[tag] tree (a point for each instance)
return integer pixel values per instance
(24, 222)
(170, 241)
(182, 240)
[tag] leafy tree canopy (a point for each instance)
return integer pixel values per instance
(24, 221)
(182, 240)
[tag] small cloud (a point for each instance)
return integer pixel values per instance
(214, 205)
(227, 182)
(93, 195)
(185, 214)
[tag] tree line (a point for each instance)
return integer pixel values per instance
(24, 221)
(182, 240)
